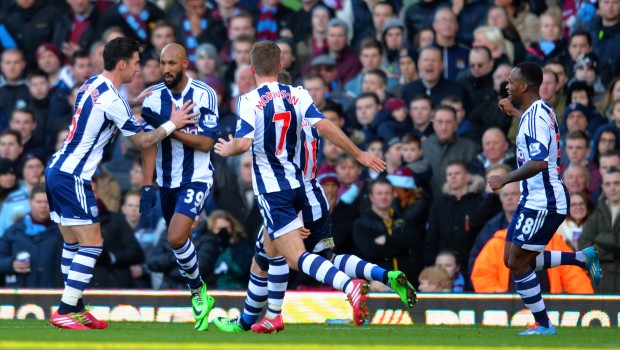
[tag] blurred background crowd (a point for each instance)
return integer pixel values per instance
(415, 82)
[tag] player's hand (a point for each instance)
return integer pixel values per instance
(148, 197)
(505, 105)
(370, 161)
(223, 146)
(305, 233)
(496, 182)
(21, 267)
(184, 115)
(140, 98)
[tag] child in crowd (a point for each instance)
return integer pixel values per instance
(412, 158)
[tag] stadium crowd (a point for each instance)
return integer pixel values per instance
(416, 83)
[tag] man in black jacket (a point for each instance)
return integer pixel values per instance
(380, 235)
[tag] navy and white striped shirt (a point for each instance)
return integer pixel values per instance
(98, 113)
(178, 164)
(272, 116)
(539, 139)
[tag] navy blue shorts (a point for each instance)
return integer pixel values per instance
(280, 210)
(319, 242)
(188, 200)
(532, 229)
(70, 198)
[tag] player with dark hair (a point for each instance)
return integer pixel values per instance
(99, 112)
(544, 198)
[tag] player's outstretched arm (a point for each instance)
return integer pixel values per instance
(528, 170)
(233, 146)
(198, 142)
(335, 135)
(178, 119)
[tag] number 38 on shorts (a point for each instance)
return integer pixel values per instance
(533, 229)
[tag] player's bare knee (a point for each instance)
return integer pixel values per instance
(176, 240)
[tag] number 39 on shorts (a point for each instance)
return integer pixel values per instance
(196, 197)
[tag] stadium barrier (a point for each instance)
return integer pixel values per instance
(318, 307)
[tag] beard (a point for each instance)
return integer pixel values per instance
(175, 81)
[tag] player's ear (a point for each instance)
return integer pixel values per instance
(252, 69)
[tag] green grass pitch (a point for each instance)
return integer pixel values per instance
(33, 334)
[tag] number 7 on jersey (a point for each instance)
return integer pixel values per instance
(285, 117)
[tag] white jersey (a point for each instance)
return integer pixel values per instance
(272, 116)
(178, 164)
(539, 139)
(98, 113)
(317, 205)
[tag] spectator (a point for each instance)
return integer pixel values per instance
(135, 18)
(424, 38)
(393, 153)
(376, 81)
(509, 196)
(17, 203)
(446, 259)
(421, 113)
(120, 248)
(550, 46)
(580, 209)
(394, 39)
(375, 147)
(150, 70)
(444, 146)
(96, 57)
(14, 92)
(580, 43)
(605, 140)
(431, 82)
(194, 25)
(495, 150)
(77, 29)
(343, 215)
(498, 17)
(207, 64)
(486, 115)
(241, 45)
(37, 235)
(525, 21)
(449, 222)
(602, 228)
(413, 158)
(302, 22)
(234, 194)
(581, 92)
(578, 117)
(471, 14)
(372, 26)
(163, 34)
(347, 62)
(478, 79)
(39, 101)
(464, 127)
(612, 93)
(559, 69)
(501, 49)
(351, 184)
(434, 279)
(412, 202)
(552, 94)
(367, 117)
(586, 70)
(50, 60)
(314, 43)
(289, 59)
(419, 15)
(577, 150)
(490, 275)
(8, 180)
(607, 160)
(31, 23)
(605, 32)
(454, 54)
(576, 178)
(408, 70)
(233, 253)
(380, 234)
(396, 124)
(24, 121)
(11, 147)
(318, 90)
(371, 56)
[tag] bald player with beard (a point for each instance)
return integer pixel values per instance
(183, 167)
